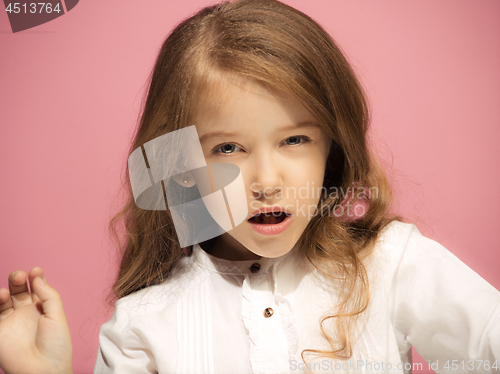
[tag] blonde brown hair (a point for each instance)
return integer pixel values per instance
(275, 45)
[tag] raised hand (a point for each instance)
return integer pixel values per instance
(34, 333)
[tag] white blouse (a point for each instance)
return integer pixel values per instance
(219, 316)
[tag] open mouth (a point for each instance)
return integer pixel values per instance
(269, 218)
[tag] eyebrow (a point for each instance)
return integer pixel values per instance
(215, 134)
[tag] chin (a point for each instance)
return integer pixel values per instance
(275, 254)
(271, 249)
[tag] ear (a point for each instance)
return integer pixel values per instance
(185, 179)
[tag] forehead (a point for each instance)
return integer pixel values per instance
(239, 99)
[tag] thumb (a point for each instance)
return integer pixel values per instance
(51, 300)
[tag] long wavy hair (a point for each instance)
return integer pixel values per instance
(277, 46)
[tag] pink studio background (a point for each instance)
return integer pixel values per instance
(70, 95)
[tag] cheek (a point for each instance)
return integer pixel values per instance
(308, 175)
(304, 188)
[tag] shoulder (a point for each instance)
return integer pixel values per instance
(402, 244)
(400, 247)
(394, 240)
(141, 320)
(408, 260)
(186, 276)
(135, 336)
(400, 240)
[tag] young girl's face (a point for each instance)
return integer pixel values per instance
(281, 151)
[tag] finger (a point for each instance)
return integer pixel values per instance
(5, 303)
(19, 289)
(35, 272)
(51, 300)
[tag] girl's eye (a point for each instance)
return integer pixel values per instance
(294, 140)
(226, 149)
(230, 148)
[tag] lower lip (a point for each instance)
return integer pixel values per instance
(269, 228)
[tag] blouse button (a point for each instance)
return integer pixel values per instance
(255, 267)
(268, 312)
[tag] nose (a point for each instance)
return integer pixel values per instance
(267, 178)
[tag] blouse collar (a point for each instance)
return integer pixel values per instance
(223, 266)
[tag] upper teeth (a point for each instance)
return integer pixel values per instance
(269, 214)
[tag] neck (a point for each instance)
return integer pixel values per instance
(228, 248)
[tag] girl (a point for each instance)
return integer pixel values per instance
(337, 288)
